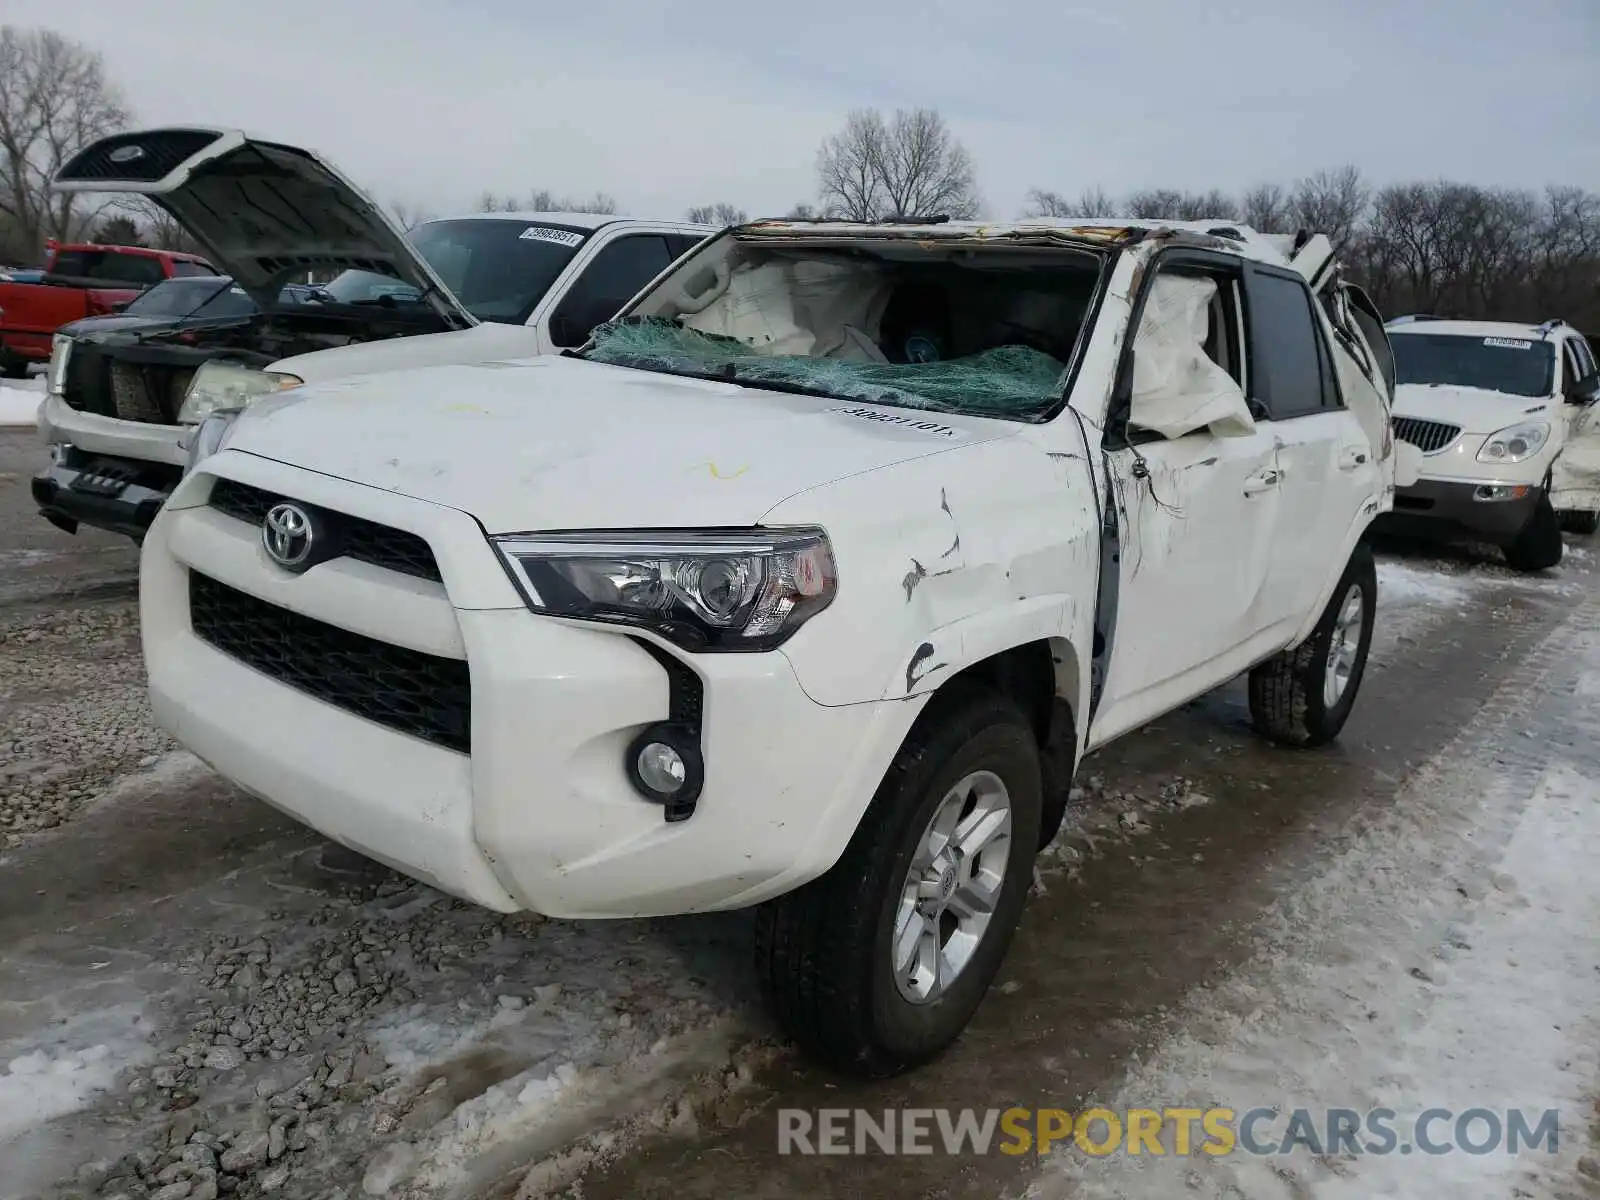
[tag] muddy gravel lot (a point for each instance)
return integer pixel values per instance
(200, 998)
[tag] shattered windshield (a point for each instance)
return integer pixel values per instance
(1515, 366)
(499, 268)
(987, 334)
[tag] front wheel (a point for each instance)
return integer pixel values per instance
(13, 368)
(878, 965)
(1303, 696)
(1538, 547)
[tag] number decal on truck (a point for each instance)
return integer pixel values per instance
(543, 233)
(1508, 343)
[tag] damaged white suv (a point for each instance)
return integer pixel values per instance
(805, 584)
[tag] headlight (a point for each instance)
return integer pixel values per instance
(56, 377)
(1515, 443)
(714, 589)
(209, 437)
(218, 385)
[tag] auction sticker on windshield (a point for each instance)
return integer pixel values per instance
(1504, 343)
(542, 233)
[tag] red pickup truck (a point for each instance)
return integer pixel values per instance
(80, 280)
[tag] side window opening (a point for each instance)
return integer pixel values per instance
(1294, 364)
(1574, 365)
(612, 278)
(1332, 397)
(1190, 366)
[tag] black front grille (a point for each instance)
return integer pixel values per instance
(1427, 436)
(97, 382)
(418, 694)
(159, 152)
(357, 538)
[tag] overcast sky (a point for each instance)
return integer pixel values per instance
(432, 101)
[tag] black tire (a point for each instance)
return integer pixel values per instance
(1580, 522)
(1538, 547)
(13, 368)
(1287, 702)
(822, 951)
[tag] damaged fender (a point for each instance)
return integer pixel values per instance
(1575, 475)
(958, 582)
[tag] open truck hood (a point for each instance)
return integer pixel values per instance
(263, 211)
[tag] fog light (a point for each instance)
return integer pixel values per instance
(661, 768)
(664, 766)
(1500, 491)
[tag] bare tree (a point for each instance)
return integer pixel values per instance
(909, 165)
(1265, 208)
(409, 216)
(1331, 202)
(803, 212)
(1167, 204)
(1091, 202)
(55, 98)
(722, 214)
(544, 200)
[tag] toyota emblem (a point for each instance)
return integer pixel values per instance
(287, 535)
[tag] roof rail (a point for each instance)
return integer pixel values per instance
(914, 219)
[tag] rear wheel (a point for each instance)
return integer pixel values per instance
(878, 965)
(1538, 546)
(1303, 696)
(1580, 522)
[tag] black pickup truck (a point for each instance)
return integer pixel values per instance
(138, 361)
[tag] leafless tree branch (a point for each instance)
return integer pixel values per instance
(55, 98)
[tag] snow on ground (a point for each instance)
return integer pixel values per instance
(1444, 957)
(1404, 585)
(66, 1069)
(19, 401)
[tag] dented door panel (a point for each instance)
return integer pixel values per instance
(1575, 476)
(1200, 522)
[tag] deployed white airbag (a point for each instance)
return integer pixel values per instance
(1177, 389)
(796, 307)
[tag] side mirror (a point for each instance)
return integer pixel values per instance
(1585, 390)
(564, 331)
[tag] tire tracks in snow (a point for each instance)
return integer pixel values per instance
(1358, 968)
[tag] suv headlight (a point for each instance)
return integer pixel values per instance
(210, 436)
(56, 377)
(223, 385)
(1515, 442)
(706, 590)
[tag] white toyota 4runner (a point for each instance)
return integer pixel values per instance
(805, 584)
(1504, 418)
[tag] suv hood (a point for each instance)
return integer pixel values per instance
(1475, 410)
(558, 443)
(263, 211)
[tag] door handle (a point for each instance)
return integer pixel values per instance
(1351, 458)
(1262, 481)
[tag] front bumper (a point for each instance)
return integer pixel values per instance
(60, 423)
(120, 495)
(539, 815)
(1450, 510)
